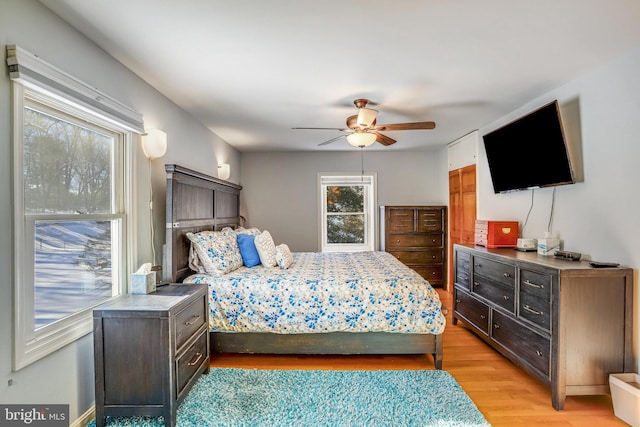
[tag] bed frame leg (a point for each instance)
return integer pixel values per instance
(437, 356)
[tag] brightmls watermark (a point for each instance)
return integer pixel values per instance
(34, 415)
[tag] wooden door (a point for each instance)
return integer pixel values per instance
(462, 210)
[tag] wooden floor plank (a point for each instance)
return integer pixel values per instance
(505, 394)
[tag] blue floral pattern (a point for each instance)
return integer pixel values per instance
(324, 292)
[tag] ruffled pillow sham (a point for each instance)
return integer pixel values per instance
(217, 252)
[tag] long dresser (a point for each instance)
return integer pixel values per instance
(564, 322)
(417, 236)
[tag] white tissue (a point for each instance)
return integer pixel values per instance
(144, 268)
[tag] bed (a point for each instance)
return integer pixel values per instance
(322, 304)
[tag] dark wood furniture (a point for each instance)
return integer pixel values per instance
(186, 187)
(417, 236)
(194, 202)
(564, 322)
(149, 350)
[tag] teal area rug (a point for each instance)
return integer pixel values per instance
(274, 398)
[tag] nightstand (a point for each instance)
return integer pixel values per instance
(149, 350)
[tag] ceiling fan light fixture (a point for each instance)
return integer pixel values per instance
(366, 116)
(361, 139)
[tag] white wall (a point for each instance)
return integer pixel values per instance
(66, 376)
(598, 216)
(280, 189)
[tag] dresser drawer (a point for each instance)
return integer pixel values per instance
(497, 293)
(189, 320)
(535, 310)
(415, 240)
(499, 272)
(462, 270)
(191, 360)
(536, 284)
(431, 256)
(526, 344)
(431, 273)
(429, 220)
(472, 310)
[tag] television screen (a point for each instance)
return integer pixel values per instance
(529, 152)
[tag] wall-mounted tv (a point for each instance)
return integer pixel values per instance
(530, 152)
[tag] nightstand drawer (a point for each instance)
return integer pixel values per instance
(189, 320)
(191, 360)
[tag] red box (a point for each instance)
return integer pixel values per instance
(496, 234)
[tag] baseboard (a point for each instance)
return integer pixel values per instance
(85, 418)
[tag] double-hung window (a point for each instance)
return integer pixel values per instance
(347, 212)
(70, 201)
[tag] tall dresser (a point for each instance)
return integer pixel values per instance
(567, 324)
(417, 236)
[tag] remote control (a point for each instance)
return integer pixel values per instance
(571, 256)
(597, 264)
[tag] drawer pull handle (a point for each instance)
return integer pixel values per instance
(398, 241)
(458, 301)
(531, 310)
(496, 326)
(191, 322)
(433, 257)
(539, 353)
(482, 316)
(195, 362)
(476, 284)
(535, 285)
(477, 265)
(505, 297)
(507, 275)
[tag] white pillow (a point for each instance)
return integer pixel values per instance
(266, 249)
(283, 256)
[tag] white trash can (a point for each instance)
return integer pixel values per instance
(625, 394)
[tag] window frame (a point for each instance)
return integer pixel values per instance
(369, 181)
(31, 344)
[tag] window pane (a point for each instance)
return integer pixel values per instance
(73, 267)
(67, 167)
(345, 229)
(345, 198)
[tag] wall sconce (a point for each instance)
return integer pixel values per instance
(154, 143)
(224, 171)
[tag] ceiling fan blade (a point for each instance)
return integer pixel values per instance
(340, 129)
(407, 126)
(331, 140)
(384, 139)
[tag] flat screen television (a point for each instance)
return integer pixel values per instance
(530, 152)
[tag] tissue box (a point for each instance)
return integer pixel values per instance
(143, 283)
(548, 246)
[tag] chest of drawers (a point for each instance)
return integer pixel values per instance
(565, 323)
(417, 236)
(149, 350)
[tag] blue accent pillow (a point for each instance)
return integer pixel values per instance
(248, 250)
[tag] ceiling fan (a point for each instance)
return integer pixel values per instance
(363, 131)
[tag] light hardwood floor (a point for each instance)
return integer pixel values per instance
(504, 394)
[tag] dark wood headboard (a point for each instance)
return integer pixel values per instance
(195, 202)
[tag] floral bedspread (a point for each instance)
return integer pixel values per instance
(324, 292)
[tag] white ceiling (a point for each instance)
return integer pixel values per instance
(250, 70)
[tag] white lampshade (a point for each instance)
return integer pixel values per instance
(224, 171)
(154, 143)
(366, 116)
(361, 139)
